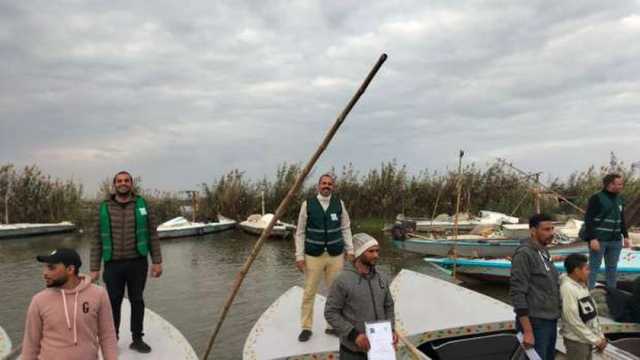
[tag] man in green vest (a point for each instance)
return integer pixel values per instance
(605, 229)
(323, 239)
(126, 237)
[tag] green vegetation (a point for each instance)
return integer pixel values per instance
(380, 194)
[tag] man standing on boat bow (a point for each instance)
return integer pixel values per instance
(126, 236)
(359, 294)
(535, 290)
(323, 237)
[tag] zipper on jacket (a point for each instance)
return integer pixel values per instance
(373, 300)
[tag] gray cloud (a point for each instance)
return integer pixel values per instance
(181, 93)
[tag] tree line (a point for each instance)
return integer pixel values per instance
(29, 195)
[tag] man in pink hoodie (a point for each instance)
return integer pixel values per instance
(71, 319)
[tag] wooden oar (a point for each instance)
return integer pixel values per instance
(285, 202)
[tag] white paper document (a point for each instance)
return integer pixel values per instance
(531, 352)
(380, 336)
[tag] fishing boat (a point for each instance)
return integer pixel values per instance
(181, 227)
(444, 222)
(424, 319)
(167, 341)
(474, 246)
(567, 231)
(28, 229)
(499, 270)
(256, 223)
(457, 323)
(5, 343)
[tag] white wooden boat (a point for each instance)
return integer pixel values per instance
(5, 343)
(167, 342)
(27, 229)
(256, 223)
(500, 269)
(568, 230)
(181, 227)
(420, 316)
(465, 223)
(476, 246)
(442, 319)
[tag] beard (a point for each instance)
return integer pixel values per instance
(123, 190)
(367, 262)
(57, 282)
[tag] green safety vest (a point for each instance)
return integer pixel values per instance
(142, 229)
(324, 230)
(609, 220)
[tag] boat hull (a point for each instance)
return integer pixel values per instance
(499, 270)
(476, 248)
(277, 231)
(39, 230)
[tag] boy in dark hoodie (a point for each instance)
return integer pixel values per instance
(359, 294)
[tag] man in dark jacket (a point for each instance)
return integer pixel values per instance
(359, 294)
(605, 229)
(126, 237)
(535, 290)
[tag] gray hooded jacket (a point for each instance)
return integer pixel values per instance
(534, 284)
(355, 299)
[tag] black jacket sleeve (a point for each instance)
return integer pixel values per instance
(593, 209)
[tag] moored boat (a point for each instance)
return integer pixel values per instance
(420, 317)
(500, 269)
(166, 340)
(474, 246)
(181, 227)
(28, 229)
(256, 223)
(444, 223)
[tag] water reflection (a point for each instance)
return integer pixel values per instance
(198, 274)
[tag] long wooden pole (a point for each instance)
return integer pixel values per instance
(546, 188)
(435, 205)
(285, 202)
(455, 219)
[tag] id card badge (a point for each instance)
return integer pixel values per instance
(334, 217)
(380, 336)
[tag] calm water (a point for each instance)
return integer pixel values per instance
(198, 273)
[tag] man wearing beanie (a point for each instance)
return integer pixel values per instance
(359, 294)
(322, 238)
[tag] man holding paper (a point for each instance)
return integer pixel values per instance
(535, 289)
(359, 295)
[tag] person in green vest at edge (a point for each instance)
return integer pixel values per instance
(126, 237)
(605, 230)
(322, 241)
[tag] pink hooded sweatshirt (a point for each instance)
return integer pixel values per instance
(70, 324)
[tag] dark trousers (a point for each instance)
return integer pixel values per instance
(545, 333)
(346, 354)
(132, 274)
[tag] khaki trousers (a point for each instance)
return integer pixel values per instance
(317, 268)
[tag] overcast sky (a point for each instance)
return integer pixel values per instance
(180, 92)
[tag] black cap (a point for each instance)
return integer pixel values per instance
(63, 255)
